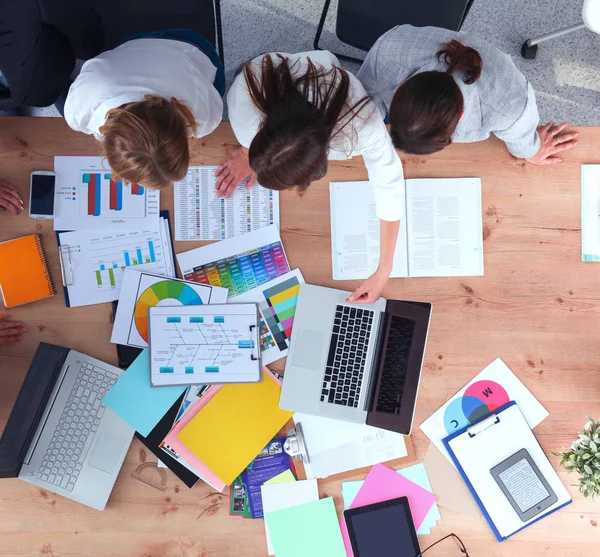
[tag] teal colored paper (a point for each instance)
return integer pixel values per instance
(415, 474)
(136, 401)
(311, 529)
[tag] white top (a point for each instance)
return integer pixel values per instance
(369, 137)
(162, 67)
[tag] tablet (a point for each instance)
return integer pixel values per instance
(383, 529)
(522, 483)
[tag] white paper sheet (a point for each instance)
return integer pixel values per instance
(238, 264)
(201, 215)
(276, 497)
(85, 199)
(141, 290)
(335, 446)
(590, 212)
(494, 386)
(275, 299)
(203, 344)
(95, 261)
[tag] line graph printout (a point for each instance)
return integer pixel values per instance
(201, 215)
(88, 198)
(203, 345)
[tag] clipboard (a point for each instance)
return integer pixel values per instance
(66, 267)
(484, 444)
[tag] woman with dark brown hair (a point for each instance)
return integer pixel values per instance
(439, 87)
(292, 113)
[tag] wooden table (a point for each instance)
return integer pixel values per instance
(537, 307)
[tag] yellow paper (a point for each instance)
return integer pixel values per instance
(284, 477)
(235, 425)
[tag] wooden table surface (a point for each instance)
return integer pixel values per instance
(537, 307)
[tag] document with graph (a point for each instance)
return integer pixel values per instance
(201, 215)
(93, 262)
(87, 198)
(440, 234)
(203, 345)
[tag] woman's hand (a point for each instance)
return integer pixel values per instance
(370, 290)
(233, 172)
(10, 200)
(10, 331)
(553, 142)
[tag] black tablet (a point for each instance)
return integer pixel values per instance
(383, 529)
(522, 483)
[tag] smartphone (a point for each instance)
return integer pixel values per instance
(41, 194)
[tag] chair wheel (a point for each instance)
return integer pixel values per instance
(529, 52)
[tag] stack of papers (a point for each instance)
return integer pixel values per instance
(416, 474)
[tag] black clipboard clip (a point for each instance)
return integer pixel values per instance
(253, 344)
(483, 425)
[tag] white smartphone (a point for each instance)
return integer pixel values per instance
(41, 194)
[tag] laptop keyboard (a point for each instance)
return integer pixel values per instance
(393, 376)
(76, 427)
(347, 355)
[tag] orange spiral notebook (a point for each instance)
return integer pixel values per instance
(24, 275)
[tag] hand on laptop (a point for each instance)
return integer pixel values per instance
(553, 141)
(369, 291)
(10, 331)
(233, 172)
(10, 200)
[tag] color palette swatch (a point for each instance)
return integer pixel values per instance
(172, 290)
(244, 271)
(278, 310)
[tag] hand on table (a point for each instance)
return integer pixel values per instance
(10, 200)
(553, 142)
(10, 331)
(233, 172)
(370, 290)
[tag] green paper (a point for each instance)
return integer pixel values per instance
(282, 478)
(319, 528)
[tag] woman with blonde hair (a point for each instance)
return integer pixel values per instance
(145, 99)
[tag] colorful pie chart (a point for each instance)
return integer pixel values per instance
(175, 292)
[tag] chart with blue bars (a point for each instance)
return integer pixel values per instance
(198, 345)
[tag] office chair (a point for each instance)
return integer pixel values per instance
(360, 23)
(591, 20)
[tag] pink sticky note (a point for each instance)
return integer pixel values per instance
(383, 484)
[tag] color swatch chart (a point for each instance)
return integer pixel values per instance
(278, 310)
(245, 271)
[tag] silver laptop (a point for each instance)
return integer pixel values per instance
(355, 362)
(62, 438)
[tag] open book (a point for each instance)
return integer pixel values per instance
(440, 236)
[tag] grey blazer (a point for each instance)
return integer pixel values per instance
(501, 101)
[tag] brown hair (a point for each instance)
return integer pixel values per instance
(146, 142)
(301, 116)
(427, 107)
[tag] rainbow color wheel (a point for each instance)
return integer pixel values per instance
(174, 291)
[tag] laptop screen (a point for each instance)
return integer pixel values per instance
(382, 530)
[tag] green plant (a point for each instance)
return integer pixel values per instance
(584, 456)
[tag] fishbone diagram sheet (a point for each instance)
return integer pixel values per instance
(204, 344)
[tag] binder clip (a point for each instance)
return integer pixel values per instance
(295, 446)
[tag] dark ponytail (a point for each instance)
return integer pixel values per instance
(461, 58)
(427, 107)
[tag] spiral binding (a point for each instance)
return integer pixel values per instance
(38, 241)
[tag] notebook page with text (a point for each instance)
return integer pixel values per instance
(444, 225)
(355, 233)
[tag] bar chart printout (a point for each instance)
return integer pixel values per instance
(105, 196)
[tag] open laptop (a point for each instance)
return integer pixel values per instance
(59, 435)
(355, 362)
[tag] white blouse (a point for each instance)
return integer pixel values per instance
(369, 137)
(163, 67)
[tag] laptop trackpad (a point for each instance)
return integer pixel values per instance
(307, 352)
(107, 452)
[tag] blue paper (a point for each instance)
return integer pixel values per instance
(136, 401)
(415, 474)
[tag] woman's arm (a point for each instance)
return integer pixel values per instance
(370, 290)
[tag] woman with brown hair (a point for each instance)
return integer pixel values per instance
(145, 99)
(292, 113)
(439, 87)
